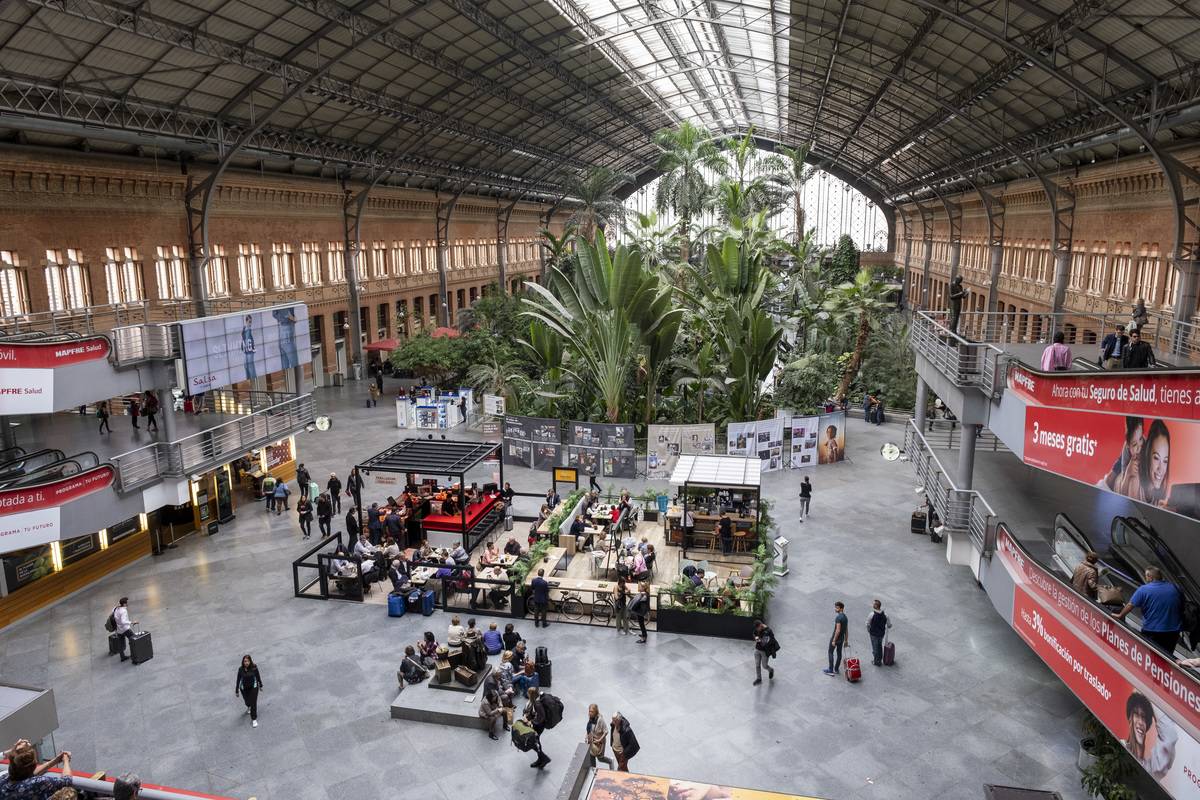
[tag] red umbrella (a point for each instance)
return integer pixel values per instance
(450, 333)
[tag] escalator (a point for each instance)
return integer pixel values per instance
(24, 463)
(53, 471)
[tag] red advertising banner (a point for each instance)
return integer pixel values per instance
(1149, 460)
(1149, 704)
(56, 493)
(57, 354)
(1158, 394)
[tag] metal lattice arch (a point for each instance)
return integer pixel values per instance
(908, 101)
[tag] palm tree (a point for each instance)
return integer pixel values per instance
(702, 373)
(598, 205)
(686, 153)
(653, 240)
(786, 170)
(861, 302)
(747, 189)
(558, 249)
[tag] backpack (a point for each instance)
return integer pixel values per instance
(110, 624)
(553, 708)
(524, 737)
(772, 646)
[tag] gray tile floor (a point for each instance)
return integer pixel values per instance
(968, 703)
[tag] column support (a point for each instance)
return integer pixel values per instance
(922, 403)
(966, 455)
(444, 209)
(503, 215)
(352, 213)
(166, 407)
(197, 201)
(993, 206)
(927, 237)
(905, 285)
(1062, 224)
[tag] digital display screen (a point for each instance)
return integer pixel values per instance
(223, 350)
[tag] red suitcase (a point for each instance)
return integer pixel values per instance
(853, 670)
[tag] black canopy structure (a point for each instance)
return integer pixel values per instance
(444, 458)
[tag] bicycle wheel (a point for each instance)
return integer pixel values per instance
(571, 607)
(602, 610)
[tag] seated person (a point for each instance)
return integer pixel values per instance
(697, 578)
(526, 678)
(428, 647)
(461, 556)
(520, 656)
(471, 632)
(399, 577)
(492, 642)
(511, 638)
(455, 633)
(411, 669)
(629, 542)
(497, 594)
(512, 547)
(363, 547)
(491, 555)
(503, 675)
(341, 565)
(643, 544)
(450, 506)
(446, 570)
(27, 779)
(507, 493)
(424, 550)
(578, 528)
(391, 550)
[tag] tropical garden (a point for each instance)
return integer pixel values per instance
(641, 321)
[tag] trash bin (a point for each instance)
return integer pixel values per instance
(339, 379)
(356, 371)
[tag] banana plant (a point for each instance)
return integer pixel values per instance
(750, 340)
(701, 373)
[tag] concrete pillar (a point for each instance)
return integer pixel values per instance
(996, 252)
(922, 403)
(966, 455)
(166, 406)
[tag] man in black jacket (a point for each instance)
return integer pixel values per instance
(877, 627)
(1112, 349)
(764, 647)
(303, 480)
(1140, 355)
(334, 487)
(624, 743)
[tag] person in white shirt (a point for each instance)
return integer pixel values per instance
(124, 624)
(455, 633)
(363, 547)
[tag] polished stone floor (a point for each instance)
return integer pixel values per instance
(967, 703)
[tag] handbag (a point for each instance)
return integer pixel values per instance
(1108, 594)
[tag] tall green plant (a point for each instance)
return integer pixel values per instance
(786, 170)
(861, 302)
(595, 192)
(686, 153)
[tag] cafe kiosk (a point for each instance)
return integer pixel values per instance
(707, 487)
(415, 461)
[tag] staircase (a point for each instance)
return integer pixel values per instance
(946, 434)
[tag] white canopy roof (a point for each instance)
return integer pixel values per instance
(718, 471)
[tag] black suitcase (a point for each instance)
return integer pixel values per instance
(540, 654)
(116, 643)
(544, 673)
(918, 522)
(141, 649)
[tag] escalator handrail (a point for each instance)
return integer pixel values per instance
(6, 468)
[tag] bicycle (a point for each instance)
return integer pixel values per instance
(573, 608)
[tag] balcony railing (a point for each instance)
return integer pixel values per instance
(964, 363)
(146, 342)
(217, 445)
(961, 510)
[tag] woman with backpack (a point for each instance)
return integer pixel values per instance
(624, 744)
(248, 685)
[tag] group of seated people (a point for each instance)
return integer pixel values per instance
(419, 659)
(402, 515)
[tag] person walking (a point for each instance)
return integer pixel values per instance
(354, 486)
(150, 410)
(805, 497)
(303, 481)
(838, 640)
(135, 410)
(334, 487)
(249, 684)
(268, 491)
(1084, 578)
(1161, 604)
(324, 514)
(765, 646)
(304, 511)
(541, 599)
(352, 526)
(102, 415)
(281, 498)
(1140, 354)
(624, 744)
(725, 528)
(372, 396)
(123, 626)
(620, 595)
(1057, 357)
(595, 736)
(1112, 349)
(641, 608)
(877, 627)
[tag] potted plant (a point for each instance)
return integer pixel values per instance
(649, 501)
(1110, 767)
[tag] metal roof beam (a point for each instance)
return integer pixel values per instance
(833, 54)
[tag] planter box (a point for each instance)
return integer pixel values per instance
(674, 619)
(649, 516)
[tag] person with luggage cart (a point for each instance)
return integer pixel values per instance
(877, 628)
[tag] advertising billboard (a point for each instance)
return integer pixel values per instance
(27, 371)
(1148, 702)
(803, 445)
(831, 438)
(610, 785)
(1166, 395)
(31, 515)
(1148, 460)
(223, 350)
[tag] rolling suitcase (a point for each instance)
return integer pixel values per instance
(853, 670)
(543, 669)
(917, 525)
(396, 604)
(413, 601)
(889, 654)
(116, 643)
(141, 648)
(541, 654)
(427, 603)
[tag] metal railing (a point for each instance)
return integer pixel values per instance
(946, 434)
(965, 363)
(1161, 331)
(959, 509)
(146, 342)
(217, 445)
